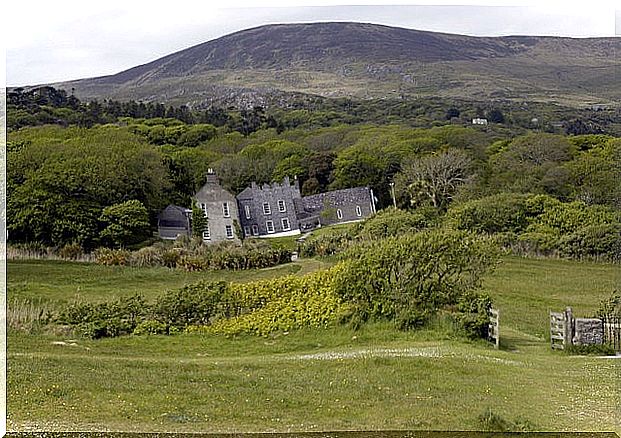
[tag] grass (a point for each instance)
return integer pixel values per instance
(64, 281)
(310, 380)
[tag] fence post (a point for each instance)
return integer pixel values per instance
(569, 327)
(494, 327)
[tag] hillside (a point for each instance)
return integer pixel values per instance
(264, 64)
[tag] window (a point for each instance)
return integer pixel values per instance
(270, 226)
(247, 210)
(206, 234)
(246, 231)
(255, 230)
(358, 211)
(204, 208)
(285, 224)
(229, 231)
(339, 214)
(266, 208)
(282, 207)
(225, 209)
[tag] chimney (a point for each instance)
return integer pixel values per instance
(212, 178)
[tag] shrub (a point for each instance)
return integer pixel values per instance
(395, 222)
(492, 214)
(193, 304)
(538, 244)
(112, 257)
(151, 327)
(287, 303)
(423, 271)
(107, 319)
(593, 242)
(327, 243)
(147, 257)
(71, 251)
(567, 218)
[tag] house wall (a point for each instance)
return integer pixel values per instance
(255, 196)
(212, 196)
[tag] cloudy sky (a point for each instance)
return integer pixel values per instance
(49, 41)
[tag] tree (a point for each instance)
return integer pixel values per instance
(436, 178)
(199, 221)
(125, 223)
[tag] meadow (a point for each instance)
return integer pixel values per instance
(374, 378)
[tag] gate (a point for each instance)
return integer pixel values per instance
(558, 330)
(612, 331)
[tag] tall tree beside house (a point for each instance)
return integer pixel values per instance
(199, 221)
(435, 179)
(125, 223)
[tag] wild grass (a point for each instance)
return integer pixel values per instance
(29, 316)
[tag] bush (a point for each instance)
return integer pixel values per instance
(413, 274)
(327, 243)
(151, 327)
(108, 319)
(195, 304)
(287, 303)
(593, 242)
(71, 251)
(395, 222)
(492, 214)
(147, 257)
(112, 257)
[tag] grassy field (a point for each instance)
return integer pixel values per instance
(332, 379)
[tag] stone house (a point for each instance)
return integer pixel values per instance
(280, 210)
(269, 209)
(276, 209)
(174, 221)
(220, 208)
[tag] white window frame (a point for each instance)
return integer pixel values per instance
(204, 208)
(247, 231)
(339, 213)
(228, 231)
(358, 211)
(282, 206)
(255, 230)
(268, 225)
(226, 211)
(206, 233)
(247, 210)
(267, 210)
(282, 222)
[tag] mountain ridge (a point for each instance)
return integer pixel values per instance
(370, 61)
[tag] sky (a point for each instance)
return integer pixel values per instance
(49, 41)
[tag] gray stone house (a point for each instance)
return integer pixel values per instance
(276, 209)
(220, 207)
(280, 210)
(174, 221)
(269, 209)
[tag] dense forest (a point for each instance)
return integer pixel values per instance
(78, 171)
